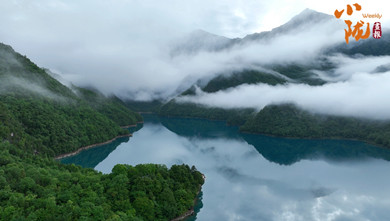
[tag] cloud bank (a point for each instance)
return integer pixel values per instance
(363, 95)
(123, 47)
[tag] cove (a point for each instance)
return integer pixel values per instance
(256, 177)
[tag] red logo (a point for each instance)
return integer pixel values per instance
(377, 30)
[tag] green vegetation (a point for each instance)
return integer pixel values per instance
(287, 121)
(38, 188)
(112, 107)
(294, 72)
(18, 75)
(231, 116)
(299, 73)
(245, 77)
(47, 117)
(52, 128)
(290, 121)
(289, 72)
(41, 118)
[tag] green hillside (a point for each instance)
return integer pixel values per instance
(37, 188)
(49, 118)
(231, 116)
(41, 118)
(222, 82)
(112, 107)
(289, 121)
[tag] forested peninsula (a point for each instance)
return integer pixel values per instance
(41, 118)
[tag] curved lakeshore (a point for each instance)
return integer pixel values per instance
(191, 211)
(61, 156)
(247, 171)
(88, 147)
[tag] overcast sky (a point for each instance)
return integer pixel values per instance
(123, 46)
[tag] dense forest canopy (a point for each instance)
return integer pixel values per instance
(287, 120)
(41, 118)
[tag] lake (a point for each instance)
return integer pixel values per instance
(256, 177)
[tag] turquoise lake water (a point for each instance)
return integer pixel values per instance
(256, 177)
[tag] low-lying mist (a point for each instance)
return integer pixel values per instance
(362, 95)
(128, 51)
(130, 56)
(10, 84)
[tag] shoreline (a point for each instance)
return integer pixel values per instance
(287, 137)
(317, 138)
(61, 156)
(191, 211)
(64, 155)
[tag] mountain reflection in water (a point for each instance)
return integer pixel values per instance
(256, 177)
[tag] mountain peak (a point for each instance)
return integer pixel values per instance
(200, 33)
(309, 16)
(306, 18)
(200, 40)
(309, 11)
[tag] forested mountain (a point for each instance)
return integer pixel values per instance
(41, 118)
(49, 117)
(112, 107)
(288, 120)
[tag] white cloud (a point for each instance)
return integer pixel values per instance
(363, 95)
(122, 46)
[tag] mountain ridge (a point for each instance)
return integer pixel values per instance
(35, 127)
(270, 120)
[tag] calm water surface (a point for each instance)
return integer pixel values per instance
(255, 177)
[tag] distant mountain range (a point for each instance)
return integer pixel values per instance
(286, 119)
(202, 41)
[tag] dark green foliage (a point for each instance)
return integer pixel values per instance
(300, 73)
(92, 157)
(17, 73)
(41, 118)
(112, 107)
(290, 121)
(189, 91)
(244, 77)
(37, 188)
(231, 116)
(151, 189)
(45, 116)
(53, 128)
(287, 121)
(296, 72)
